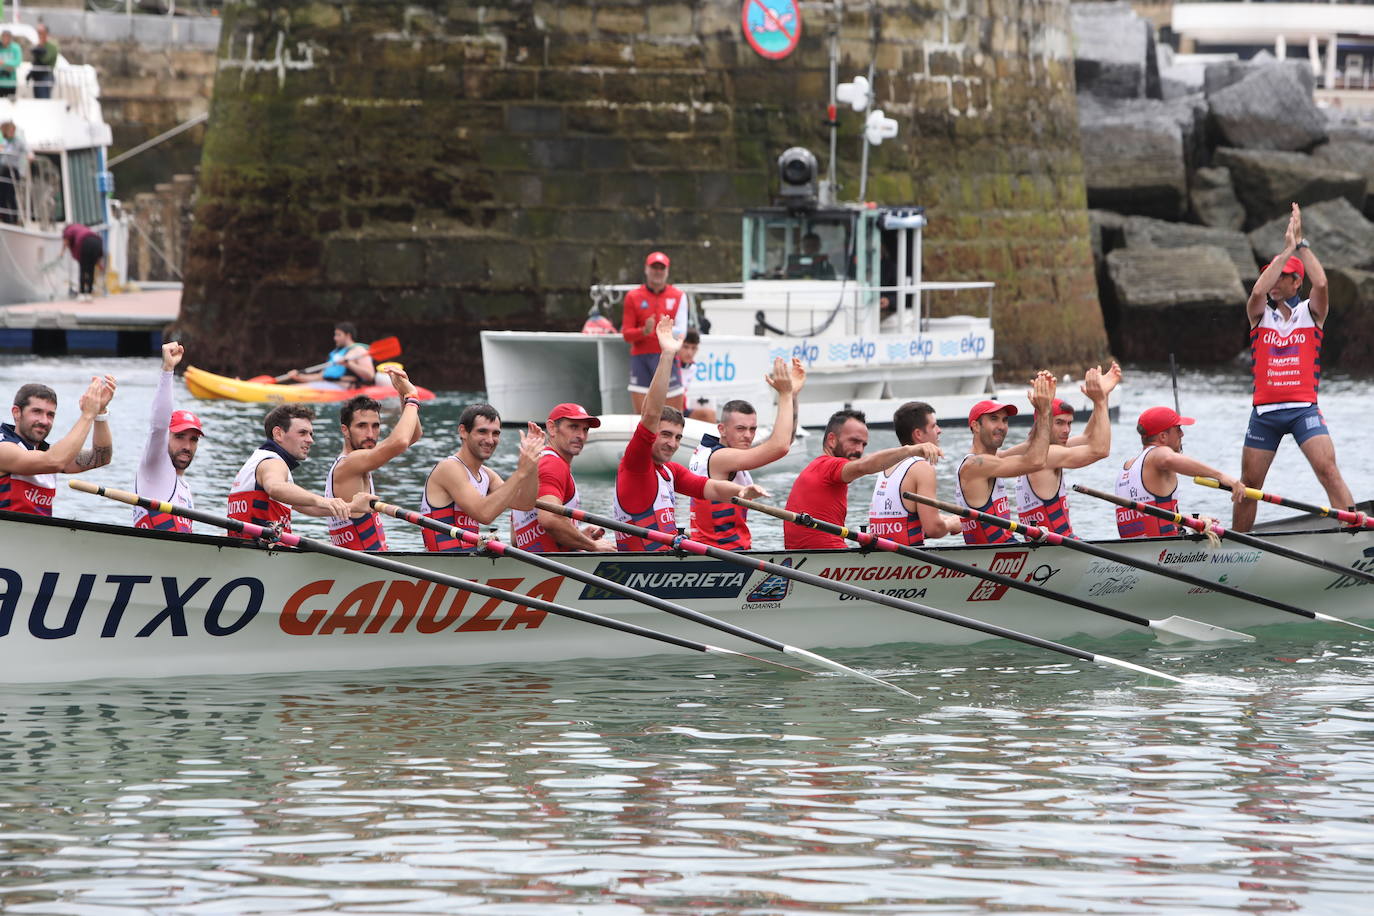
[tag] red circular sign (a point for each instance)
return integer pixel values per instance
(772, 27)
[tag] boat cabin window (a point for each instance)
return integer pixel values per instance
(798, 247)
(88, 203)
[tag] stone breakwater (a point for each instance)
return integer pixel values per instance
(1191, 170)
(431, 169)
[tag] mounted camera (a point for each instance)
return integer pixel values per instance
(797, 179)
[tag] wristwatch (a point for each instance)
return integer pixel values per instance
(1302, 243)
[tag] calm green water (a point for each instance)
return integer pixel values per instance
(675, 785)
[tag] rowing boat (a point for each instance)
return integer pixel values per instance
(81, 600)
(209, 386)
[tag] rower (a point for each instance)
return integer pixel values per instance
(731, 456)
(263, 492)
(1051, 512)
(540, 530)
(821, 490)
(978, 481)
(462, 492)
(891, 515)
(173, 438)
(360, 421)
(1152, 476)
(349, 363)
(648, 479)
(28, 467)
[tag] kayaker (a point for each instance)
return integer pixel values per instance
(542, 531)
(644, 306)
(648, 480)
(893, 516)
(28, 466)
(463, 492)
(821, 490)
(1152, 476)
(263, 492)
(360, 421)
(978, 479)
(350, 364)
(1286, 342)
(173, 437)
(731, 455)
(1051, 511)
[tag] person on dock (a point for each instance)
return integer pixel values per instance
(1286, 342)
(1051, 512)
(978, 481)
(644, 306)
(360, 420)
(350, 363)
(1152, 476)
(891, 515)
(461, 491)
(173, 438)
(29, 467)
(539, 530)
(88, 249)
(821, 490)
(263, 492)
(731, 455)
(648, 479)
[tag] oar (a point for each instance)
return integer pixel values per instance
(1180, 627)
(412, 572)
(497, 548)
(678, 542)
(1128, 560)
(1353, 519)
(386, 348)
(1249, 540)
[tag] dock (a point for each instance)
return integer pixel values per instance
(125, 324)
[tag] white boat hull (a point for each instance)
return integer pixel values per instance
(81, 601)
(31, 266)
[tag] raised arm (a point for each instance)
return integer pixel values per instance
(102, 445)
(1096, 441)
(786, 381)
(1317, 302)
(406, 432)
(1259, 293)
(1037, 443)
(156, 475)
(657, 395)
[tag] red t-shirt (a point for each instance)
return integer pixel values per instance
(636, 483)
(822, 493)
(644, 306)
(555, 477)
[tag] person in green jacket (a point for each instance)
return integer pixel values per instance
(11, 56)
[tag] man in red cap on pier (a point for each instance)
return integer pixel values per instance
(1152, 476)
(644, 306)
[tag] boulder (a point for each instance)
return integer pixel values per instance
(1136, 154)
(1186, 301)
(1107, 231)
(1267, 182)
(1349, 340)
(1350, 155)
(1269, 109)
(1112, 46)
(1339, 234)
(1143, 232)
(1217, 75)
(1176, 79)
(1214, 199)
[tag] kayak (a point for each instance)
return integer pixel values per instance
(209, 387)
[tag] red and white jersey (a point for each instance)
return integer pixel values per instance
(249, 502)
(165, 521)
(556, 480)
(450, 514)
(32, 494)
(362, 533)
(661, 515)
(1287, 357)
(721, 525)
(1050, 514)
(974, 531)
(1130, 484)
(888, 516)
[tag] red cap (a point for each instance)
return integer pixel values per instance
(1061, 406)
(183, 420)
(656, 257)
(1293, 266)
(573, 412)
(1157, 419)
(986, 407)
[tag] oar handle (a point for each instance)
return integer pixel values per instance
(1146, 509)
(787, 515)
(1355, 519)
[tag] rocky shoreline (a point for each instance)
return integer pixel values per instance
(1190, 170)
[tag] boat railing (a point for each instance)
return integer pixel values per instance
(35, 196)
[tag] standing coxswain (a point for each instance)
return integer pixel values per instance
(173, 438)
(462, 492)
(28, 466)
(351, 475)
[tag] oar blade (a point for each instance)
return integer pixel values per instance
(386, 348)
(1138, 669)
(1349, 623)
(1184, 629)
(844, 669)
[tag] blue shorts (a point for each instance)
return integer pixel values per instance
(1266, 430)
(642, 366)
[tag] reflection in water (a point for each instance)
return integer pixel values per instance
(652, 786)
